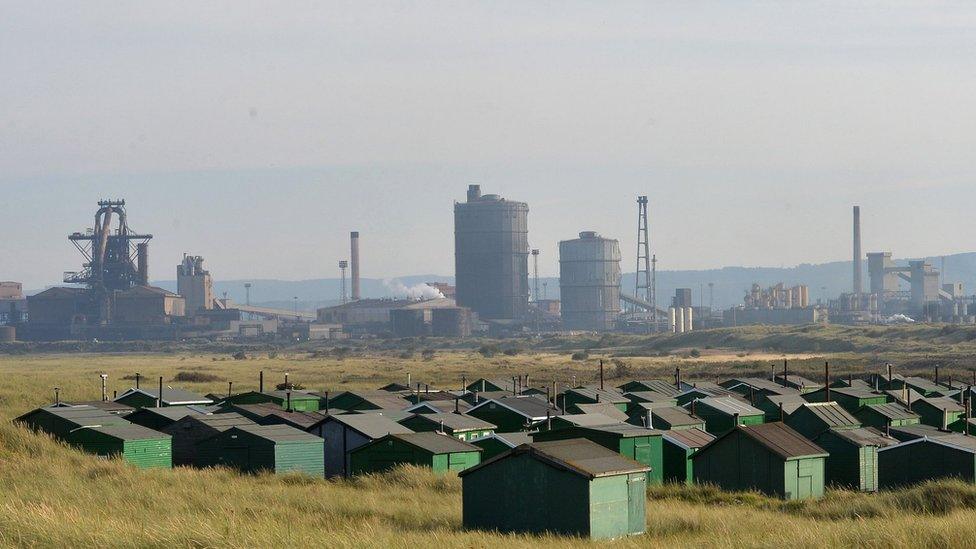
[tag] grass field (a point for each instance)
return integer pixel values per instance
(53, 496)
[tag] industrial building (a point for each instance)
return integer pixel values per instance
(589, 282)
(402, 317)
(776, 305)
(491, 253)
(13, 304)
(195, 284)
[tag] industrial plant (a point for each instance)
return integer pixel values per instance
(492, 294)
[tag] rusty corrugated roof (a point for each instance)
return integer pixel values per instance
(577, 455)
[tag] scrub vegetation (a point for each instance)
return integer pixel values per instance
(51, 495)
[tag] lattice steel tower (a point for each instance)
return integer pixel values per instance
(644, 272)
(342, 285)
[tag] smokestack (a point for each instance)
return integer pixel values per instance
(142, 261)
(354, 263)
(857, 250)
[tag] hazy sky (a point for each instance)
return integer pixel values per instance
(258, 134)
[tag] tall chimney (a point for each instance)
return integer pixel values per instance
(857, 250)
(142, 262)
(354, 263)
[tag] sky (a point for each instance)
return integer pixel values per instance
(258, 134)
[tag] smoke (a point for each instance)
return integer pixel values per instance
(416, 292)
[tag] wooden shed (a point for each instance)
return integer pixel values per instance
(272, 414)
(59, 421)
(495, 443)
(459, 426)
(814, 418)
(512, 414)
(799, 383)
(604, 408)
(851, 399)
(633, 442)
(891, 414)
(722, 413)
(296, 401)
(588, 395)
(368, 400)
(673, 418)
(567, 487)
(775, 406)
(678, 447)
(574, 420)
(147, 398)
(657, 386)
(441, 453)
(770, 458)
(255, 448)
(344, 433)
(853, 459)
(135, 444)
(938, 411)
(160, 418)
(191, 429)
(924, 459)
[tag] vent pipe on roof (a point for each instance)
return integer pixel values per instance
(782, 413)
(548, 419)
(936, 375)
(230, 388)
(426, 388)
(752, 395)
(601, 374)
(287, 400)
(408, 380)
(115, 395)
(889, 375)
(477, 398)
(693, 406)
(261, 381)
(772, 372)
(827, 380)
(464, 383)
(138, 375)
(513, 387)
(457, 405)
(286, 380)
(735, 419)
(441, 430)
(965, 429)
(650, 419)
(677, 377)
(526, 386)
(888, 427)
(786, 376)
(104, 388)
(850, 380)
(57, 396)
(327, 401)
(159, 400)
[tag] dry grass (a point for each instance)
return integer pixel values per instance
(52, 496)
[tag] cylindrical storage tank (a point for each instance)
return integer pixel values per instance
(491, 255)
(8, 334)
(689, 313)
(672, 320)
(589, 282)
(679, 320)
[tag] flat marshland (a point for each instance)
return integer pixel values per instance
(53, 496)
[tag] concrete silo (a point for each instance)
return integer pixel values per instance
(589, 282)
(491, 255)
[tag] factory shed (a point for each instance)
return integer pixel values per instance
(851, 400)
(511, 414)
(586, 395)
(254, 448)
(59, 421)
(938, 411)
(459, 426)
(568, 487)
(925, 459)
(633, 442)
(881, 416)
(191, 429)
(721, 414)
(135, 444)
(812, 419)
(439, 452)
(853, 459)
(146, 398)
(345, 433)
(770, 458)
(495, 444)
(678, 447)
(160, 418)
(604, 408)
(775, 406)
(657, 386)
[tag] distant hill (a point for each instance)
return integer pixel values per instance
(730, 283)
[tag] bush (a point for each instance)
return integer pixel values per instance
(488, 351)
(272, 354)
(694, 353)
(196, 377)
(405, 354)
(580, 355)
(427, 354)
(512, 351)
(240, 355)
